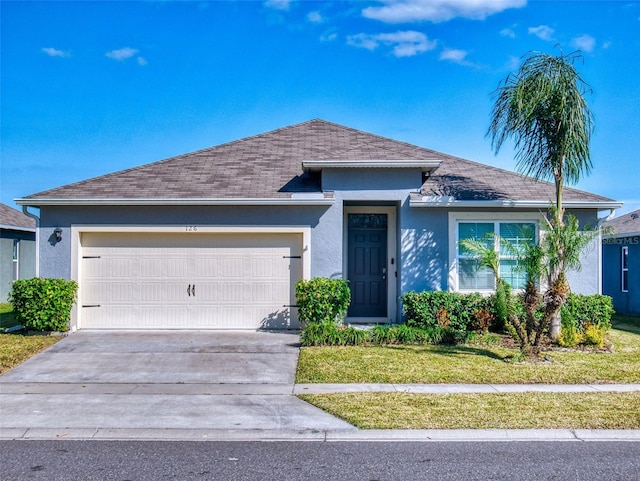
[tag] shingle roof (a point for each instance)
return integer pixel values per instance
(269, 166)
(625, 224)
(12, 217)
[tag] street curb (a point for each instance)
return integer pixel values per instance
(378, 435)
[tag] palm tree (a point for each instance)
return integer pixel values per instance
(542, 109)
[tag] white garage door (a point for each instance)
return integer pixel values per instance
(189, 281)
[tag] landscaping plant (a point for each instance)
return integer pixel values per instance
(43, 304)
(322, 300)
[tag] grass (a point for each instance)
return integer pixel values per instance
(626, 323)
(17, 348)
(484, 364)
(479, 364)
(6, 316)
(484, 411)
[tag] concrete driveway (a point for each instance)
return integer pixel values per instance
(160, 385)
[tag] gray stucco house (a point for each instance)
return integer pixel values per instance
(621, 263)
(218, 238)
(17, 248)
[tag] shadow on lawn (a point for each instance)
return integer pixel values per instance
(453, 351)
(7, 320)
(626, 323)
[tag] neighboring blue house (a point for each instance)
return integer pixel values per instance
(17, 248)
(621, 263)
(219, 237)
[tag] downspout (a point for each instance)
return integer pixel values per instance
(37, 219)
(601, 221)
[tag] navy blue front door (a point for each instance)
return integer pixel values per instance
(367, 265)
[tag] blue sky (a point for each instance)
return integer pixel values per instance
(88, 88)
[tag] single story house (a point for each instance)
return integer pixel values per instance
(621, 263)
(218, 238)
(17, 248)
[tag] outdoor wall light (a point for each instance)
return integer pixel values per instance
(58, 233)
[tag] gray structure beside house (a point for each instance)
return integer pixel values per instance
(17, 248)
(218, 238)
(621, 263)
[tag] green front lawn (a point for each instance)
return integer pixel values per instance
(484, 411)
(482, 364)
(479, 364)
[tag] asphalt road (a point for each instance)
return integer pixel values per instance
(368, 461)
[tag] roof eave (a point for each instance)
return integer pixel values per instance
(294, 200)
(443, 201)
(622, 235)
(17, 227)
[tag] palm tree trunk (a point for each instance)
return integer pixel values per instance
(559, 178)
(555, 297)
(554, 326)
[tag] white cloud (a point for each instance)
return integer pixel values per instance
(507, 32)
(454, 55)
(584, 42)
(400, 11)
(122, 53)
(512, 63)
(328, 36)
(315, 17)
(142, 61)
(54, 52)
(362, 40)
(543, 32)
(278, 4)
(404, 43)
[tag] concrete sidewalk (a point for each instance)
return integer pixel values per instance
(461, 388)
(220, 386)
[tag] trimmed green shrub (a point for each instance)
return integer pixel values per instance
(327, 333)
(451, 311)
(43, 304)
(322, 300)
(581, 310)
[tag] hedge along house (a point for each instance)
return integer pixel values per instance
(219, 237)
(621, 263)
(17, 248)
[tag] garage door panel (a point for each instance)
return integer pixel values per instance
(183, 281)
(261, 292)
(233, 266)
(151, 267)
(152, 292)
(175, 292)
(122, 292)
(232, 292)
(207, 291)
(206, 267)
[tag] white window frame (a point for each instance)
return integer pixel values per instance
(16, 259)
(624, 255)
(455, 218)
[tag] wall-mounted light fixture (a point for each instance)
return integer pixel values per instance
(58, 233)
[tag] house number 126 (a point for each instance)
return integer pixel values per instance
(191, 228)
